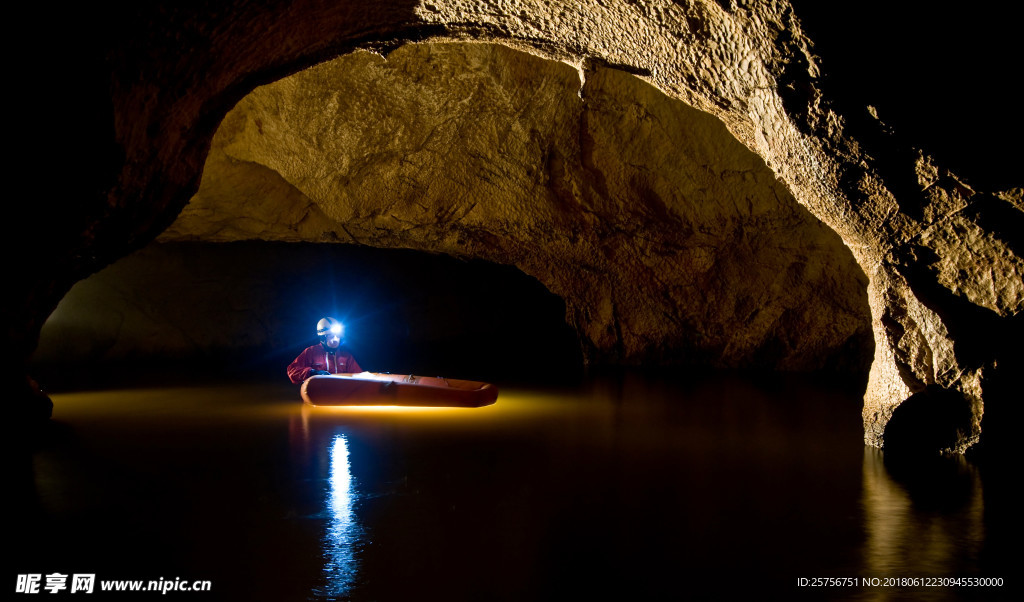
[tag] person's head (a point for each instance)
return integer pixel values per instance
(330, 332)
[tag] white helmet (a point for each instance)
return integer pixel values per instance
(329, 326)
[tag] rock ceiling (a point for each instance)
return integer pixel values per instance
(669, 240)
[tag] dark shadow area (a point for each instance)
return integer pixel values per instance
(928, 422)
(932, 72)
(1000, 440)
(205, 312)
(933, 483)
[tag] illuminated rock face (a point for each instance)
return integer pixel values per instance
(943, 260)
(669, 240)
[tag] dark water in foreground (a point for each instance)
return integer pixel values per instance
(630, 488)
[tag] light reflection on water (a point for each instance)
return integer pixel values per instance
(637, 488)
(340, 541)
(927, 513)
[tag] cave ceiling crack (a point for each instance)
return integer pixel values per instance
(944, 219)
(350, 235)
(413, 225)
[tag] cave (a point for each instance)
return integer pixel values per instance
(669, 241)
(641, 201)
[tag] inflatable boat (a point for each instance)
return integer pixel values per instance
(374, 389)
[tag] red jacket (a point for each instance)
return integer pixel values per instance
(316, 358)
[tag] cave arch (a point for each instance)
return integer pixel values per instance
(670, 242)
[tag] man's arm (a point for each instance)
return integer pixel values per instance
(299, 369)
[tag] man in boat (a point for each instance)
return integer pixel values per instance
(326, 357)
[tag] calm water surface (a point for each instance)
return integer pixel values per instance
(635, 487)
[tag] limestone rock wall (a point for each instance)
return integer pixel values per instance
(750, 65)
(669, 240)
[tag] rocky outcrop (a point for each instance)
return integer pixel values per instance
(942, 259)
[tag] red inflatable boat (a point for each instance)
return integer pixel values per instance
(373, 389)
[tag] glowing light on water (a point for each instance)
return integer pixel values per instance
(340, 564)
(902, 534)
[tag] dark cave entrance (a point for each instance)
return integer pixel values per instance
(178, 311)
